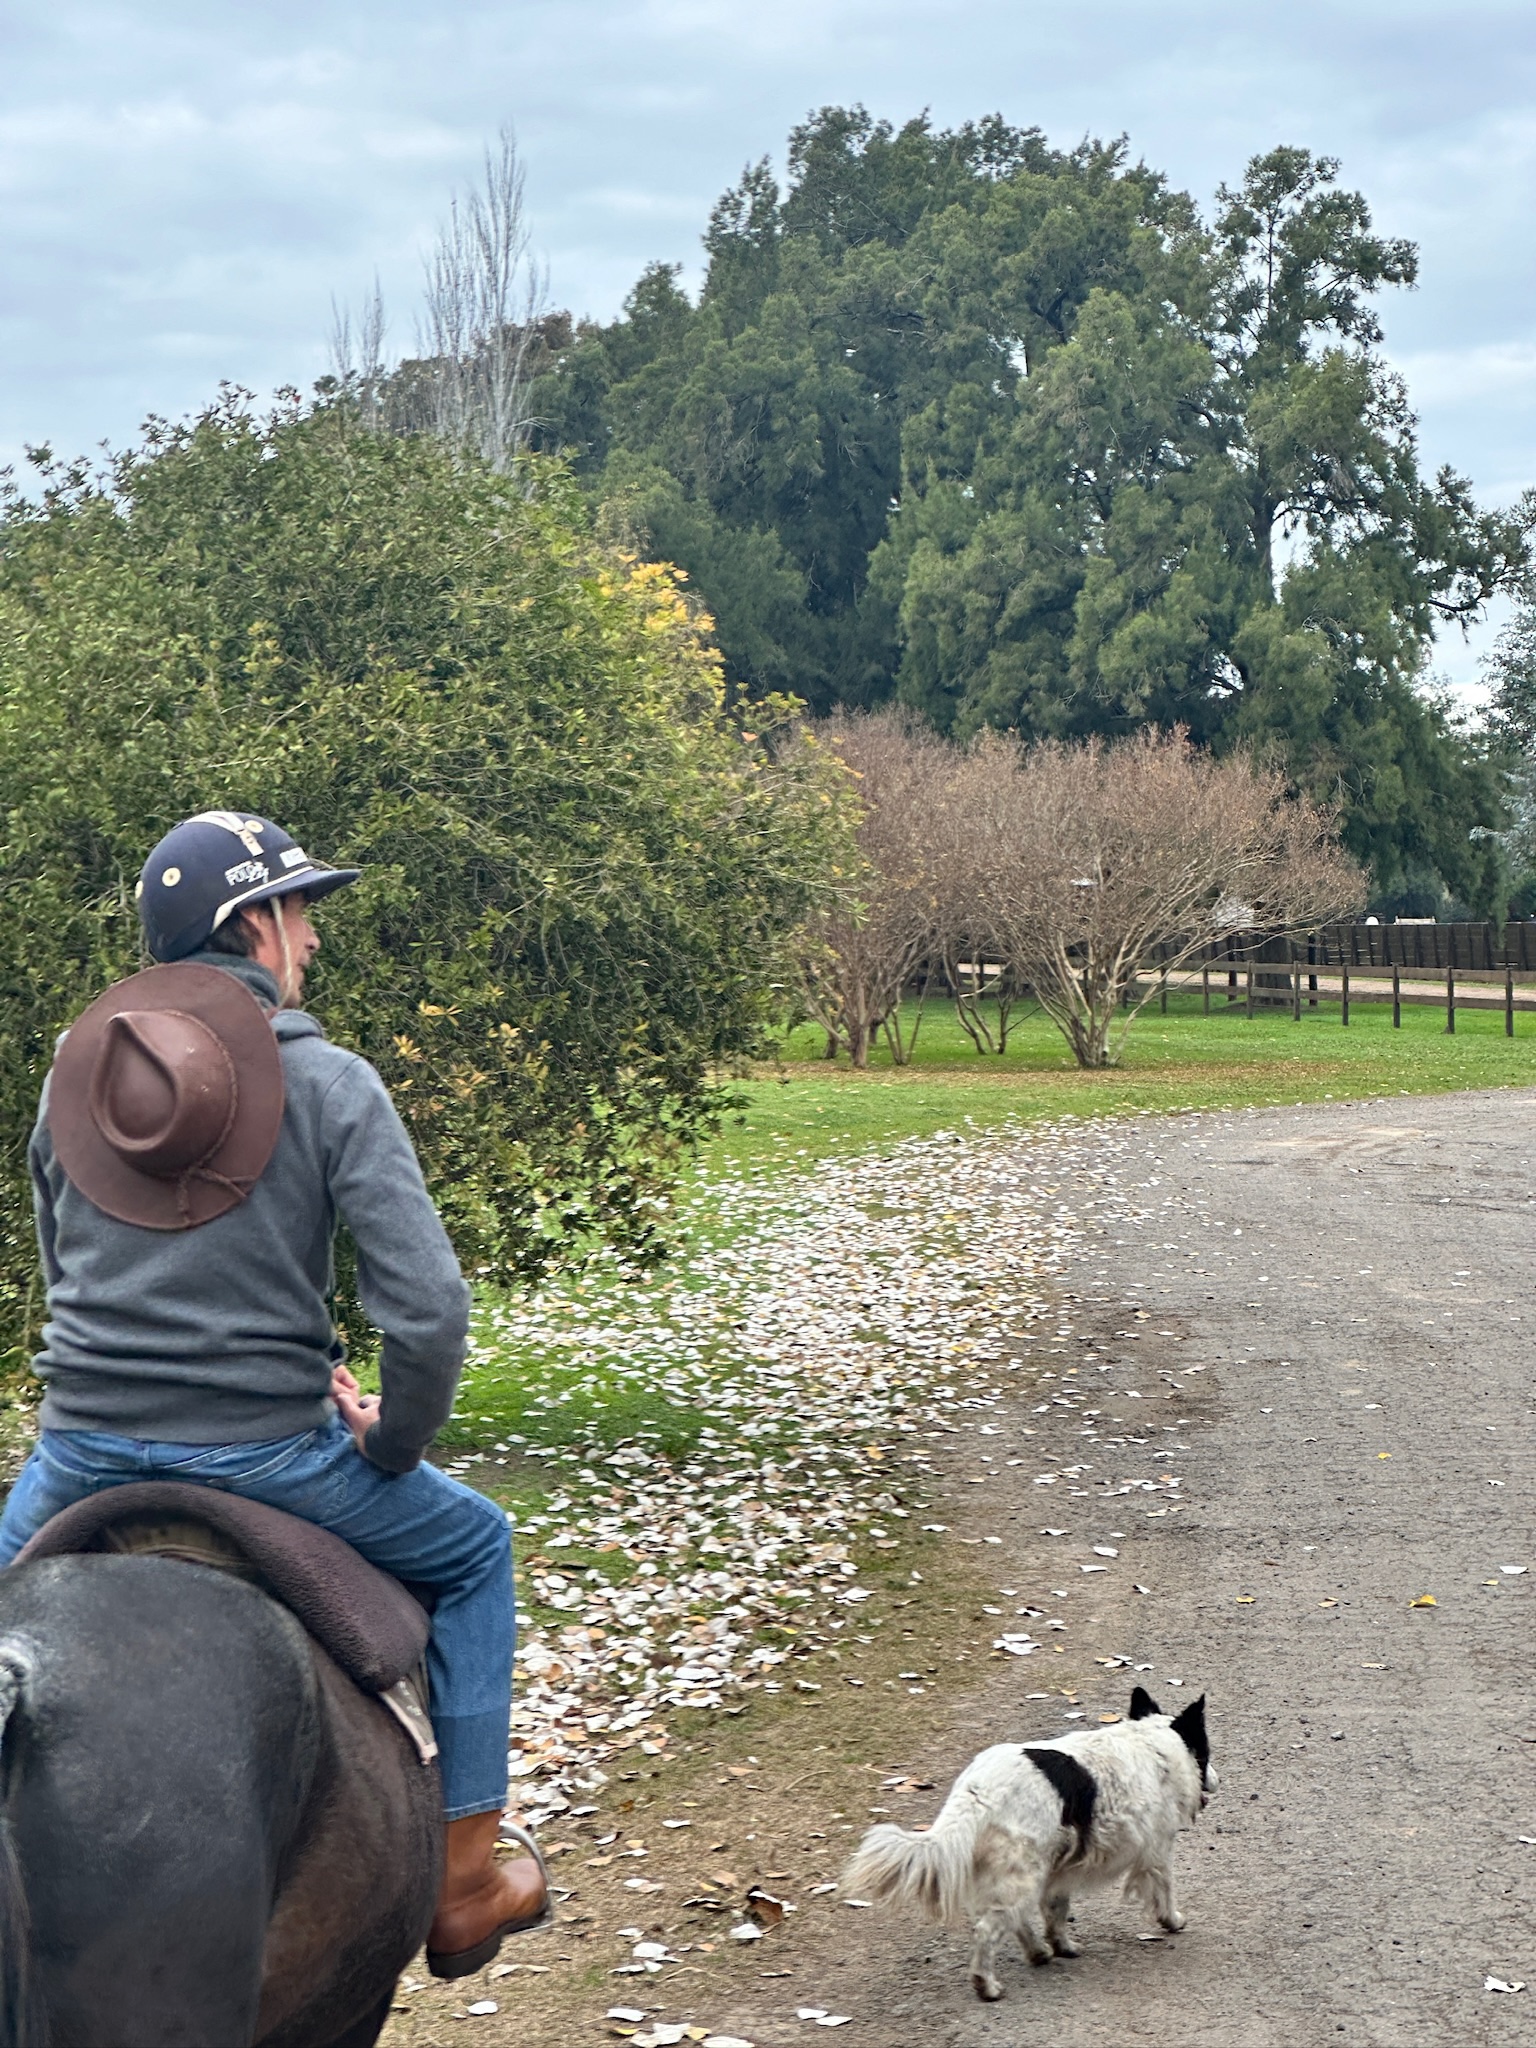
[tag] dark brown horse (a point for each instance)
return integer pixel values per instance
(211, 1837)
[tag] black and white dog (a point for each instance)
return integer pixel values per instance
(1027, 1825)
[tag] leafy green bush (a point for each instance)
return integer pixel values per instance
(579, 862)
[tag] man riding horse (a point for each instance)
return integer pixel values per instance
(196, 1144)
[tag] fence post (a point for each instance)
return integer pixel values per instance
(1163, 991)
(1397, 999)
(1509, 1000)
(1249, 979)
(1205, 988)
(1296, 994)
(1450, 1000)
(1344, 1007)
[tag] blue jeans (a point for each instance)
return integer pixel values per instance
(420, 1526)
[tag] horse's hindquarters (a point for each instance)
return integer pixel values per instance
(159, 1765)
(221, 1840)
(359, 1887)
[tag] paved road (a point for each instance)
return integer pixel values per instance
(1335, 1317)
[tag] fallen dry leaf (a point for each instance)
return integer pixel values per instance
(816, 1319)
(765, 1909)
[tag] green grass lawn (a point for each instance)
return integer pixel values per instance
(533, 1395)
(811, 1107)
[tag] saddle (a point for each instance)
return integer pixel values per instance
(362, 1618)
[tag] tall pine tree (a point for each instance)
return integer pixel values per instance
(1011, 434)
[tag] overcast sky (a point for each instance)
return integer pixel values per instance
(184, 187)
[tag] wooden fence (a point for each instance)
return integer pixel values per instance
(1475, 966)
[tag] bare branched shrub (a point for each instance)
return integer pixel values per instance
(1112, 851)
(975, 801)
(856, 962)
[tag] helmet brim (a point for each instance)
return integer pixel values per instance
(314, 881)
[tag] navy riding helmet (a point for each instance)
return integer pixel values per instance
(210, 866)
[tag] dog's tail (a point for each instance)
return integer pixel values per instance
(933, 1871)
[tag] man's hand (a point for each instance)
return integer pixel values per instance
(359, 1411)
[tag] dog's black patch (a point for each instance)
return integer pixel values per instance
(1189, 1726)
(1142, 1703)
(1077, 1789)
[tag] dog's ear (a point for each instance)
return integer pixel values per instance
(1142, 1703)
(1189, 1726)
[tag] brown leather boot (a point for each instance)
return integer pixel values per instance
(482, 1901)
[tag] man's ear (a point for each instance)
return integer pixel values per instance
(1142, 1703)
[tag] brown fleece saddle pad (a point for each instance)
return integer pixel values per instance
(360, 1616)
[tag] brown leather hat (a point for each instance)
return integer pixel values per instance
(167, 1097)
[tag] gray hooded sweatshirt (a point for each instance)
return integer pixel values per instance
(222, 1334)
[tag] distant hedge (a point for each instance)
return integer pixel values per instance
(580, 862)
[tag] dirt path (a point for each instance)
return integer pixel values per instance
(1335, 1319)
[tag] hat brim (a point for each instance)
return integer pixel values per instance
(227, 1008)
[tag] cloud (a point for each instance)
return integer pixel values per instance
(184, 189)
(1488, 371)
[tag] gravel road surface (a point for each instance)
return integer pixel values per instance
(1321, 1323)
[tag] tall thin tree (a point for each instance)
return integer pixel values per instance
(485, 292)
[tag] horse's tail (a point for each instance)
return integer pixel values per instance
(23, 2023)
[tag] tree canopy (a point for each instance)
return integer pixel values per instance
(1012, 434)
(1511, 673)
(580, 869)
